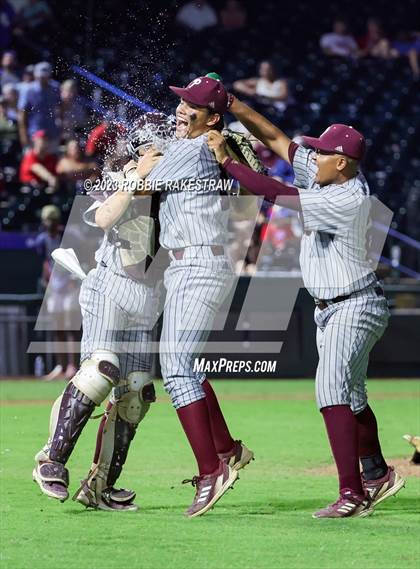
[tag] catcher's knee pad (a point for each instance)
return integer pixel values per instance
(98, 375)
(133, 396)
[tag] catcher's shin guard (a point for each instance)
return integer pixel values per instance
(70, 412)
(131, 401)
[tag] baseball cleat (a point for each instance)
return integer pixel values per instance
(238, 457)
(384, 487)
(347, 505)
(210, 488)
(109, 500)
(53, 479)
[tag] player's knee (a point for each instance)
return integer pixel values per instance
(170, 388)
(331, 399)
(134, 395)
(174, 389)
(183, 391)
(358, 407)
(98, 375)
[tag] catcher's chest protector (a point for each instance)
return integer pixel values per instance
(137, 237)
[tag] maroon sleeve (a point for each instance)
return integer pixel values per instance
(292, 151)
(261, 185)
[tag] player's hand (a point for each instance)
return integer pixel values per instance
(148, 161)
(131, 165)
(217, 145)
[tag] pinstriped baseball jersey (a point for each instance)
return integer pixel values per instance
(194, 219)
(196, 287)
(334, 263)
(335, 219)
(118, 315)
(199, 215)
(118, 312)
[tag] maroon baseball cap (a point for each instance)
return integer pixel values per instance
(340, 139)
(204, 92)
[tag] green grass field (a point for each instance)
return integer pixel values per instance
(265, 522)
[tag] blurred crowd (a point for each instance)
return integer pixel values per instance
(340, 42)
(48, 132)
(54, 135)
(51, 142)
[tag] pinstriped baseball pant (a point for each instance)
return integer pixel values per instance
(346, 333)
(118, 316)
(196, 287)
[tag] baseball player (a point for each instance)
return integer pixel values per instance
(351, 311)
(118, 308)
(193, 228)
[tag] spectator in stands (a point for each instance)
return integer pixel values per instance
(7, 24)
(196, 16)
(102, 139)
(233, 16)
(374, 43)
(279, 231)
(339, 42)
(241, 232)
(267, 88)
(72, 113)
(27, 78)
(35, 17)
(61, 291)
(74, 166)
(38, 105)
(408, 44)
(39, 166)
(10, 98)
(9, 138)
(9, 70)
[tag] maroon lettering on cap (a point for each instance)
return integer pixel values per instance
(339, 138)
(204, 92)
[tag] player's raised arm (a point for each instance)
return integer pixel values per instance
(261, 128)
(259, 184)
